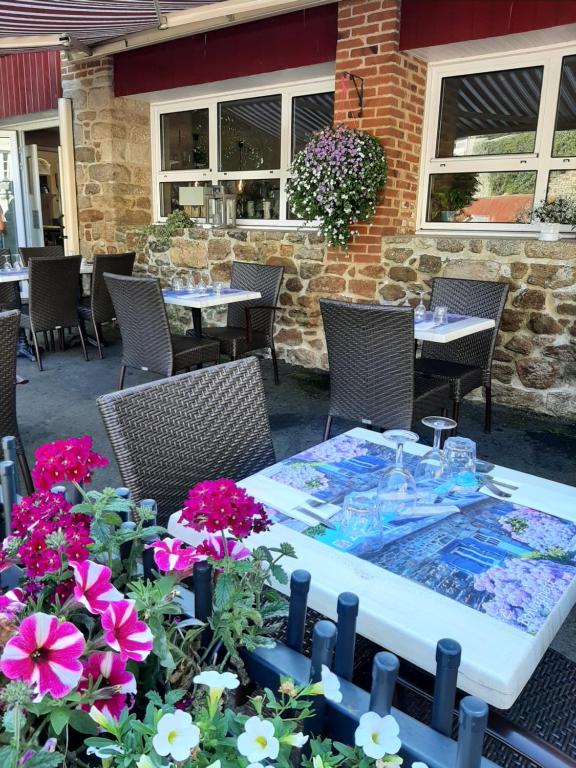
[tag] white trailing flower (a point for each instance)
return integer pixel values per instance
(258, 741)
(176, 735)
(217, 683)
(295, 740)
(378, 736)
(419, 765)
(329, 685)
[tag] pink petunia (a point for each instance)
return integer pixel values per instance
(45, 654)
(93, 588)
(112, 670)
(213, 547)
(65, 461)
(124, 632)
(11, 602)
(170, 555)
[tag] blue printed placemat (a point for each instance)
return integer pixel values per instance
(452, 318)
(209, 293)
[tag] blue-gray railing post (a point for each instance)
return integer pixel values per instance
(472, 724)
(385, 669)
(9, 449)
(8, 482)
(126, 547)
(448, 656)
(299, 587)
(202, 574)
(61, 489)
(123, 493)
(148, 552)
(73, 495)
(151, 507)
(323, 644)
(346, 640)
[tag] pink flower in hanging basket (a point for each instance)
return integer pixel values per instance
(93, 588)
(45, 654)
(114, 677)
(171, 555)
(124, 632)
(71, 460)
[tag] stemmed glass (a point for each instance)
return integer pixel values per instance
(433, 472)
(405, 303)
(190, 284)
(396, 492)
(420, 310)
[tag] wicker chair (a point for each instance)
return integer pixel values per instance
(465, 363)
(371, 360)
(9, 328)
(98, 308)
(9, 292)
(250, 324)
(53, 288)
(147, 343)
(49, 251)
(169, 435)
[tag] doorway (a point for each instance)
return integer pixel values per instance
(43, 188)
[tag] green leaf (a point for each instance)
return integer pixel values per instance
(279, 573)
(111, 518)
(287, 549)
(45, 760)
(82, 722)
(6, 755)
(59, 719)
(223, 591)
(154, 698)
(173, 696)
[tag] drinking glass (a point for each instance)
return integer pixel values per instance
(177, 283)
(17, 263)
(360, 518)
(433, 475)
(217, 288)
(396, 487)
(190, 282)
(420, 310)
(461, 455)
(440, 315)
(201, 285)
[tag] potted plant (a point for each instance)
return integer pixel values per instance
(551, 214)
(450, 202)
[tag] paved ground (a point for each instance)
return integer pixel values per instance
(60, 402)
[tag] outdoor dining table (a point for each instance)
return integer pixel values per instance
(431, 578)
(198, 301)
(456, 327)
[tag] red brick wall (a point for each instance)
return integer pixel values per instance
(394, 87)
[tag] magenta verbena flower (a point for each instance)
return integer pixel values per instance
(111, 669)
(124, 632)
(71, 460)
(45, 654)
(173, 555)
(93, 588)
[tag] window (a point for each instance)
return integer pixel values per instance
(499, 141)
(243, 141)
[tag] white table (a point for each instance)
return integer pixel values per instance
(197, 302)
(442, 334)
(22, 274)
(407, 618)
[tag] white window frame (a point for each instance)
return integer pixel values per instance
(541, 160)
(287, 91)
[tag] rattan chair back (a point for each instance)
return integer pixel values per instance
(53, 292)
(141, 313)
(9, 294)
(255, 277)
(171, 434)
(9, 329)
(479, 298)
(371, 362)
(114, 264)
(48, 251)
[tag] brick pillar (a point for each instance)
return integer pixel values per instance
(112, 157)
(394, 86)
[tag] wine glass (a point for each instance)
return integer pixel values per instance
(420, 310)
(405, 303)
(433, 475)
(190, 282)
(396, 492)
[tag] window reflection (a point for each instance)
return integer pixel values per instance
(173, 196)
(565, 133)
(310, 114)
(184, 140)
(250, 134)
(561, 184)
(256, 198)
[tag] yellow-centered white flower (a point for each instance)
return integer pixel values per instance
(378, 736)
(294, 740)
(258, 741)
(217, 683)
(329, 686)
(176, 735)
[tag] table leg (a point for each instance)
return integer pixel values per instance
(24, 349)
(197, 322)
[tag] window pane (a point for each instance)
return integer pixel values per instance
(565, 133)
(561, 184)
(184, 140)
(250, 134)
(310, 114)
(500, 197)
(172, 198)
(491, 113)
(257, 198)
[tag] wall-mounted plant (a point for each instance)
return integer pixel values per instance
(551, 214)
(162, 234)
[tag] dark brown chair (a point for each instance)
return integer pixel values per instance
(250, 324)
(48, 251)
(9, 292)
(9, 329)
(466, 363)
(371, 361)
(147, 343)
(53, 292)
(169, 435)
(98, 308)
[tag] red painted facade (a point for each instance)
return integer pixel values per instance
(439, 22)
(29, 82)
(291, 40)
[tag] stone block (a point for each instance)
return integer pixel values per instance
(365, 288)
(289, 336)
(315, 238)
(266, 249)
(563, 250)
(537, 373)
(502, 372)
(259, 235)
(244, 252)
(280, 261)
(310, 254)
(512, 320)
(518, 398)
(503, 357)
(219, 249)
(89, 214)
(221, 271)
(564, 352)
(430, 263)
(566, 309)
(285, 299)
(561, 404)
(450, 244)
(327, 284)
(375, 271)
(518, 269)
(398, 255)
(520, 343)
(472, 270)
(541, 323)
(295, 237)
(475, 246)
(391, 292)
(402, 274)
(188, 253)
(238, 234)
(109, 172)
(286, 250)
(294, 285)
(309, 269)
(530, 298)
(504, 248)
(552, 276)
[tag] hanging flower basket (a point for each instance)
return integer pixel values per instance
(336, 180)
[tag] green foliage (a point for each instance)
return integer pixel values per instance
(162, 234)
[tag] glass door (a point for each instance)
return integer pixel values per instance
(11, 207)
(33, 200)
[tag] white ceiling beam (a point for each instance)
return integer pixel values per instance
(30, 41)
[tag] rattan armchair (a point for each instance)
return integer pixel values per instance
(98, 308)
(9, 329)
(48, 251)
(466, 363)
(53, 291)
(147, 343)
(169, 435)
(9, 292)
(250, 324)
(371, 361)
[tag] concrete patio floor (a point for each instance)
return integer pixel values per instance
(60, 402)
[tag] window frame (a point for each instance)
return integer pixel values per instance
(541, 160)
(287, 91)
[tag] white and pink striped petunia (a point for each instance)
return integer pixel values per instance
(124, 632)
(11, 602)
(213, 547)
(45, 654)
(171, 555)
(114, 676)
(93, 588)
